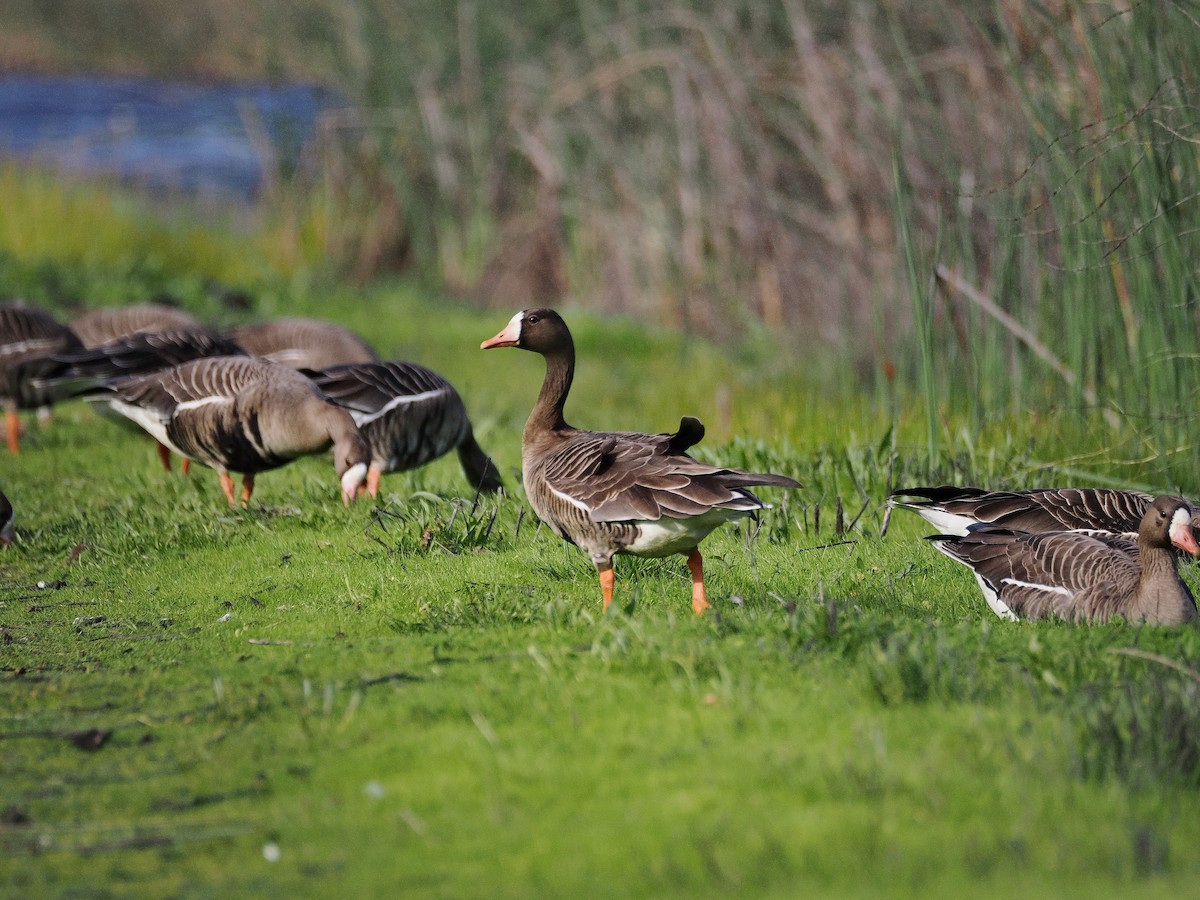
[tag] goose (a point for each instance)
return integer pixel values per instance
(303, 343)
(97, 327)
(408, 415)
(619, 492)
(26, 334)
(77, 372)
(240, 414)
(958, 510)
(1082, 577)
(7, 535)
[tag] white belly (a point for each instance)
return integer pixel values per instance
(665, 536)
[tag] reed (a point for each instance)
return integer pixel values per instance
(711, 167)
(1083, 306)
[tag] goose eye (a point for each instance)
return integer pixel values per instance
(532, 320)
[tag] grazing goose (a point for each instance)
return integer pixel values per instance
(303, 343)
(103, 326)
(408, 415)
(1081, 577)
(240, 414)
(73, 373)
(7, 536)
(614, 492)
(26, 334)
(958, 510)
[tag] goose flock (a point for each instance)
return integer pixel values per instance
(243, 401)
(255, 397)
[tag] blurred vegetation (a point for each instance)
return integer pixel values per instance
(703, 165)
(989, 201)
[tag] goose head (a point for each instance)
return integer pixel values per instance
(350, 459)
(540, 330)
(1168, 522)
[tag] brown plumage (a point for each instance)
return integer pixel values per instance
(241, 414)
(102, 326)
(619, 492)
(303, 343)
(408, 415)
(26, 336)
(955, 510)
(1081, 577)
(77, 372)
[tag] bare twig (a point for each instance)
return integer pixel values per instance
(952, 280)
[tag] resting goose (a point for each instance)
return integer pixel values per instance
(303, 343)
(619, 492)
(103, 326)
(408, 415)
(1081, 577)
(26, 334)
(7, 535)
(240, 414)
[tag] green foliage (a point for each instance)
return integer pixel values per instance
(423, 696)
(1080, 304)
(306, 698)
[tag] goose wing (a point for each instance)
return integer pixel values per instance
(1033, 575)
(1089, 510)
(207, 409)
(629, 477)
(370, 388)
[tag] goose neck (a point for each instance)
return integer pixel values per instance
(547, 413)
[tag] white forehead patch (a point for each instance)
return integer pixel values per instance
(1181, 519)
(515, 324)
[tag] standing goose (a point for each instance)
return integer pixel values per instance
(240, 414)
(958, 510)
(1081, 577)
(7, 535)
(619, 492)
(26, 335)
(103, 326)
(408, 415)
(303, 343)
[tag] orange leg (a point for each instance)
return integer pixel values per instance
(185, 466)
(373, 479)
(227, 487)
(699, 596)
(14, 430)
(164, 454)
(247, 489)
(607, 579)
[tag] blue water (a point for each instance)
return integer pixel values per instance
(172, 135)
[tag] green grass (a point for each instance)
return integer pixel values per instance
(422, 698)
